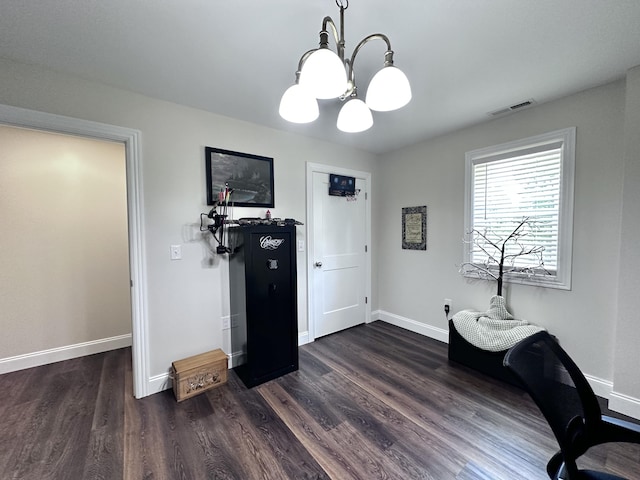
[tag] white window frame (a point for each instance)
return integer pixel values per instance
(567, 138)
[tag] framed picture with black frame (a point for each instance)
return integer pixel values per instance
(414, 228)
(250, 177)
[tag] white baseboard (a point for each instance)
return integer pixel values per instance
(621, 403)
(600, 387)
(159, 383)
(303, 338)
(413, 325)
(164, 381)
(44, 357)
(603, 388)
(236, 358)
(617, 402)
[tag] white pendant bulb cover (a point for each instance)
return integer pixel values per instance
(324, 74)
(297, 105)
(354, 117)
(389, 90)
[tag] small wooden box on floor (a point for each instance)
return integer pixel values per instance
(199, 373)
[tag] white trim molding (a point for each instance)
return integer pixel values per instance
(312, 168)
(142, 381)
(303, 338)
(621, 403)
(565, 140)
(603, 388)
(161, 382)
(236, 359)
(600, 387)
(414, 326)
(67, 352)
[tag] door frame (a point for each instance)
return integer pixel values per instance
(131, 139)
(321, 168)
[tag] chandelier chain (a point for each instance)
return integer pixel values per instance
(341, 4)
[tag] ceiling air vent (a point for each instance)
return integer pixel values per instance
(513, 108)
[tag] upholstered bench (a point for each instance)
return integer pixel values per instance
(484, 361)
(480, 340)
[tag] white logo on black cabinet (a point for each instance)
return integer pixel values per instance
(269, 243)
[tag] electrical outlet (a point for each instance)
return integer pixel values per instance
(226, 323)
(447, 306)
(176, 252)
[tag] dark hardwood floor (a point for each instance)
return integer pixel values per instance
(372, 402)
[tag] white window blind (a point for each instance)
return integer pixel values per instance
(507, 190)
(531, 178)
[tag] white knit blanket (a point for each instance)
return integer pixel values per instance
(494, 330)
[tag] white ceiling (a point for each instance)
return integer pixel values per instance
(464, 58)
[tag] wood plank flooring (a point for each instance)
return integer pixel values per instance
(371, 402)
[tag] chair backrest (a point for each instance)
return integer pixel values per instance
(560, 391)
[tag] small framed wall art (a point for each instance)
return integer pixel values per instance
(414, 228)
(249, 176)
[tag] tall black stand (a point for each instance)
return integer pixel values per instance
(264, 324)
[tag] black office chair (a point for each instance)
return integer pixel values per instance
(568, 403)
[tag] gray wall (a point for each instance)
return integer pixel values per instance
(627, 353)
(187, 299)
(413, 284)
(64, 256)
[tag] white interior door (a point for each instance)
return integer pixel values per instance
(338, 253)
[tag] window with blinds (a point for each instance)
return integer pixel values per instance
(530, 178)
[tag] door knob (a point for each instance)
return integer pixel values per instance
(318, 264)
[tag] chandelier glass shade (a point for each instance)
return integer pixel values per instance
(324, 74)
(354, 117)
(298, 106)
(388, 90)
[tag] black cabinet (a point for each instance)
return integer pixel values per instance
(262, 281)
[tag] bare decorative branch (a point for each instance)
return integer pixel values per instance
(501, 253)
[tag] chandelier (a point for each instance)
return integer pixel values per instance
(325, 74)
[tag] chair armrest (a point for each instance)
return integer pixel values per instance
(616, 430)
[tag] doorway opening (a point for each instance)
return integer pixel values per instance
(18, 117)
